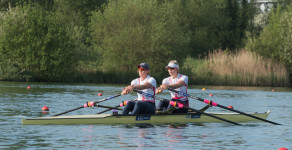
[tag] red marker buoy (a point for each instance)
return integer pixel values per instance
(273, 90)
(45, 108)
(210, 95)
(283, 148)
(28, 87)
(99, 94)
(231, 107)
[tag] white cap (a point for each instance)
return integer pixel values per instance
(172, 65)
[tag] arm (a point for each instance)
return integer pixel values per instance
(174, 86)
(178, 85)
(130, 88)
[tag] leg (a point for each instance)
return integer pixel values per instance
(178, 110)
(162, 105)
(170, 108)
(142, 107)
(129, 107)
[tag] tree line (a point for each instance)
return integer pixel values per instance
(70, 40)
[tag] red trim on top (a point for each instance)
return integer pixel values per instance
(143, 96)
(176, 95)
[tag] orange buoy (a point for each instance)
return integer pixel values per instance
(45, 108)
(231, 107)
(28, 87)
(203, 89)
(99, 94)
(210, 95)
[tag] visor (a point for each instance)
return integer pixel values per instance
(172, 65)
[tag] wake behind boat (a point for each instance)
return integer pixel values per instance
(190, 117)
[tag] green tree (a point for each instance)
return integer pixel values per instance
(75, 14)
(5, 4)
(37, 42)
(275, 41)
(204, 21)
(76, 11)
(213, 24)
(129, 32)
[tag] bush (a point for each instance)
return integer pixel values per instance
(275, 41)
(36, 41)
(129, 32)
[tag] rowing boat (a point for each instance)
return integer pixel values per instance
(190, 117)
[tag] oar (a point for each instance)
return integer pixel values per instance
(115, 107)
(111, 97)
(185, 107)
(216, 104)
(109, 107)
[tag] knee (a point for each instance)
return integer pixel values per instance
(139, 103)
(130, 103)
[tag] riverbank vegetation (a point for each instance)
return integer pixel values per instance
(239, 68)
(215, 42)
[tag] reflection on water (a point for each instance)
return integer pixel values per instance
(18, 102)
(139, 125)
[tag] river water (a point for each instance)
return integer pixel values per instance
(17, 102)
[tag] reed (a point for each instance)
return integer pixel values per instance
(240, 68)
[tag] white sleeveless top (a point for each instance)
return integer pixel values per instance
(150, 90)
(171, 81)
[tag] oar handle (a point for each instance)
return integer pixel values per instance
(185, 107)
(224, 107)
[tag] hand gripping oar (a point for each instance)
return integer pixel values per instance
(195, 110)
(216, 104)
(111, 97)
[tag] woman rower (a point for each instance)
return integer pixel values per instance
(144, 104)
(178, 82)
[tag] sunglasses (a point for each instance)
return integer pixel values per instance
(142, 69)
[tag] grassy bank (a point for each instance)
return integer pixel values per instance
(240, 68)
